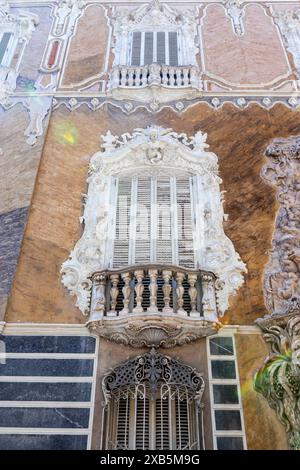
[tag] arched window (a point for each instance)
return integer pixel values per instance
(153, 402)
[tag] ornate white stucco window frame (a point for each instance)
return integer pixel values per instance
(88, 273)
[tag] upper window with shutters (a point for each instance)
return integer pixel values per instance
(155, 45)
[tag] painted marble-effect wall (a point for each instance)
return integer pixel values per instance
(18, 168)
(238, 137)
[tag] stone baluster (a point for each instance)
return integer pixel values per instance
(185, 74)
(209, 298)
(98, 297)
(192, 278)
(167, 288)
(179, 293)
(164, 79)
(130, 77)
(139, 289)
(172, 76)
(153, 291)
(126, 293)
(144, 71)
(123, 72)
(114, 291)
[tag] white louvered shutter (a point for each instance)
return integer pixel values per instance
(123, 418)
(162, 421)
(164, 222)
(121, 239)
(136, 48)
(173, 49)
(184, 222)
(143, 222)
(4, 45)
(182, 424)
(142, 423)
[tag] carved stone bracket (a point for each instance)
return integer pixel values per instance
(152, 330)
(278, 380)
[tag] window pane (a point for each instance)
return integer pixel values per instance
(148, 54)
(223, 369)
(173, 49)
(221, 346)
(230, 443)
(136, 48)
(228, 420)
(225, 394)
(161, 48)
(3, 44)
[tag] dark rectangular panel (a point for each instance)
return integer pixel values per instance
(221, 346)
(49, 344)
(228, 420)
(225, 394)
(230, 443)
(42, 442)
(223, 369)
(44, 417)
(36, 391)
(48, 367)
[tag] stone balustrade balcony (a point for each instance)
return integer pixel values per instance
(153, 305)
(162, 82)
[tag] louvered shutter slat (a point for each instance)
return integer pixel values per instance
(148, 52)
(162, 434)
(173, 49)
(136, 48)
(142, 423)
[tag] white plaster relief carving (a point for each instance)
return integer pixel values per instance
(288, 22)
(282, 273)
(21, 25)
(236, 13)
(151, 151)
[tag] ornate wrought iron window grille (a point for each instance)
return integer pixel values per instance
(153, 402)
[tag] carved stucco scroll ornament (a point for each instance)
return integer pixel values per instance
(154, 150)
(279, 378)
(282, 273)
